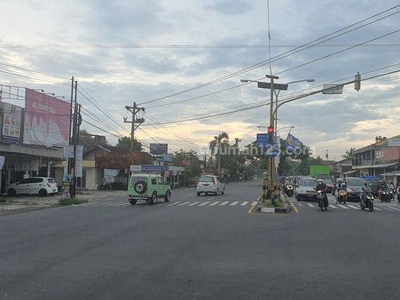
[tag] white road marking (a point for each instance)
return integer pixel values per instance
(224, 203)
(353, 207)
(234, 203)
(342, 206)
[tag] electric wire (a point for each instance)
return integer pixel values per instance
(285, 54)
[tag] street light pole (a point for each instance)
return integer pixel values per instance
(276, 99)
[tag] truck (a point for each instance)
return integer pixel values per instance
(320, 171)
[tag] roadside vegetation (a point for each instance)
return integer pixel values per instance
(72, 201)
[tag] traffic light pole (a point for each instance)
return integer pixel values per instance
(271, 160)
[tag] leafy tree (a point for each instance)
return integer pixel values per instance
(124, 144)
(192, 164)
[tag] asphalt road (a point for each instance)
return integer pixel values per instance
(207, 247)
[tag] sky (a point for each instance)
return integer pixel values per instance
(183, 61)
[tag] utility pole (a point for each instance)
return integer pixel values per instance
(135, 121)
(75, 142)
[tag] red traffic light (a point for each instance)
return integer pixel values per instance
(270, 129)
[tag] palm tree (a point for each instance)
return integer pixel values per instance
(216, 143)
(349, 154)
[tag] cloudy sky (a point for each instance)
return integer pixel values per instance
(182, 60)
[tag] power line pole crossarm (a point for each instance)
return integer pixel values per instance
(135, 121)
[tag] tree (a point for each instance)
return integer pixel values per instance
(216, 144)
(192, 164)
(124, 143)
(349, 154)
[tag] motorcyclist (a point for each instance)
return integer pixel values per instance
(364, 191)
(321, 186)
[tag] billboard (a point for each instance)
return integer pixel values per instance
(158, 148)
(47, 120)
(11, 123)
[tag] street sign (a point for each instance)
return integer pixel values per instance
(262, 139)
(267, 85)
(271, 150)
(332, 89)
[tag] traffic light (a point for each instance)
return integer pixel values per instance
(270, 134)
(357, 82)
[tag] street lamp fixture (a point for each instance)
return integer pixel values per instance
(284, 128)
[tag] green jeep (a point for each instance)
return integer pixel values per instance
(148, 187)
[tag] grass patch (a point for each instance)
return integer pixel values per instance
(72, 201)
(268, 203)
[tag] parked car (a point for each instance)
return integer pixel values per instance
(210, 184)
(42, 186)
(148, 187)
(353, 186)
(305, 188)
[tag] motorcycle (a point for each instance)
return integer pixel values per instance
(342, 196)
(386, 195)
(289, 190)
(60, 189)
(322, 202)
(368, 201)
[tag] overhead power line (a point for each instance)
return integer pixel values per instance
(308, 45)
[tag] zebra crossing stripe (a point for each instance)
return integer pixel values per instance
(194, 203)
(377, 208)
(333, 206)
(254, 203)
(184, 203)
(172, 204)
(215, 203)
(244, 203)
(353, 207)
(204, 203)
(342, 206)
(234, 203)
(390, 208)
(310, 205)
(224, 203)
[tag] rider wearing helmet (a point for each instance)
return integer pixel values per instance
(321, 186)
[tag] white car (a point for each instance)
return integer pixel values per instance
(210, 184)
(42, 186)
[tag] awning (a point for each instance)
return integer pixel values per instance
(374, 166)
(349, 172)
(393, 173)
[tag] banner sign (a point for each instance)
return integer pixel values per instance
(158, 148)
(292, 143)
(47, 120)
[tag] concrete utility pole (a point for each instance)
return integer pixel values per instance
(75, 142)
(135, 121)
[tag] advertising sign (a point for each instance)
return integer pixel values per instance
(47, 120)
(12, 116)
(158, 148)
(393, 142)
